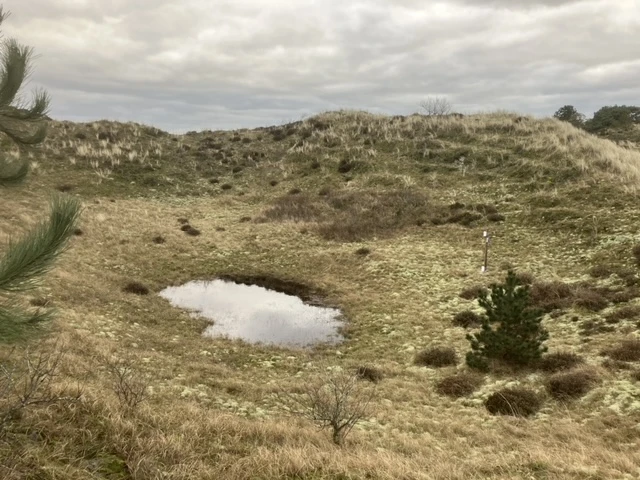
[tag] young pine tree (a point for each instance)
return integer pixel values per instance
(26, 259)
(511, 328)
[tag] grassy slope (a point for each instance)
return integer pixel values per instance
(570, 204)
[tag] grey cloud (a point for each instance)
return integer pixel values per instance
(186, 65)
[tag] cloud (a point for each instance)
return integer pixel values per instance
(227, 64)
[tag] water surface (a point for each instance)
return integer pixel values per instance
(255, 314)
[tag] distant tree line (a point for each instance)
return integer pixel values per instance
(616, 117)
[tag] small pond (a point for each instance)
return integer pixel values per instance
(255, 314)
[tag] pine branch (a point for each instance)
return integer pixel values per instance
(32, 256)
(10, 174)
(16, 324)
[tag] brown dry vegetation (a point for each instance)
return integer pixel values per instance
(212, 409)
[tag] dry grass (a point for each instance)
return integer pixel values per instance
(212, 410)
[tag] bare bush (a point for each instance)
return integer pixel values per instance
(436, 106)
(338, 402)
(28, 381)
(127, 383)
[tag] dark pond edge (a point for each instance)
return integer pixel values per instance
(309, 295)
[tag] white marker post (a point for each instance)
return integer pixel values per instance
(487, 242)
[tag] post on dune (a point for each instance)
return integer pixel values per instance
(487, 241)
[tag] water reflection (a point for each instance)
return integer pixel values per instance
(255, 314)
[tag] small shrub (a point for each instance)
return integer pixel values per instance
(624, 313)
(624, 296)
(337, 402)
(463, 218)
(573, 384)
(183, 220)
(64, 188)
(496, 217)
(369, 373)
(459, 385)
(128, 385)
(551, 295)
(466, 319)
(437, 357)
(525, 278)
(518, 402)
(626, 351)
(78, 232)
(158, 239)
(214, 180)
(635, 375)
(324, 191)
(294, 191)
(554, 362)
(594, 327)
(616, 365)
(471, 293)
(345, 166)
(30, 382)
(185, 227)
(136, 288)
(273, 183)
(636, 253)
(221, 229)
(245, 219)
(363, 251)
(590, 300)
(601, 271)
(236, 169)
(39, 302)
(194, 232)
(226, 186)
(315, 165)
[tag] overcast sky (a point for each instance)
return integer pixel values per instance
(217, 64)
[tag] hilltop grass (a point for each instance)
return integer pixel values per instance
(213, 409)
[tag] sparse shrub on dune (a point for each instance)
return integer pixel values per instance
(517, 402)
(636, 254)
(336, 402)
(459, 385)
(466, 319)
(571, 384)
(136, 288)
(623, 313)
(551, 295)
(370, 373)
(473, 292)
(590, 300)
(436, 357)
(556, 361)
(626, 351)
